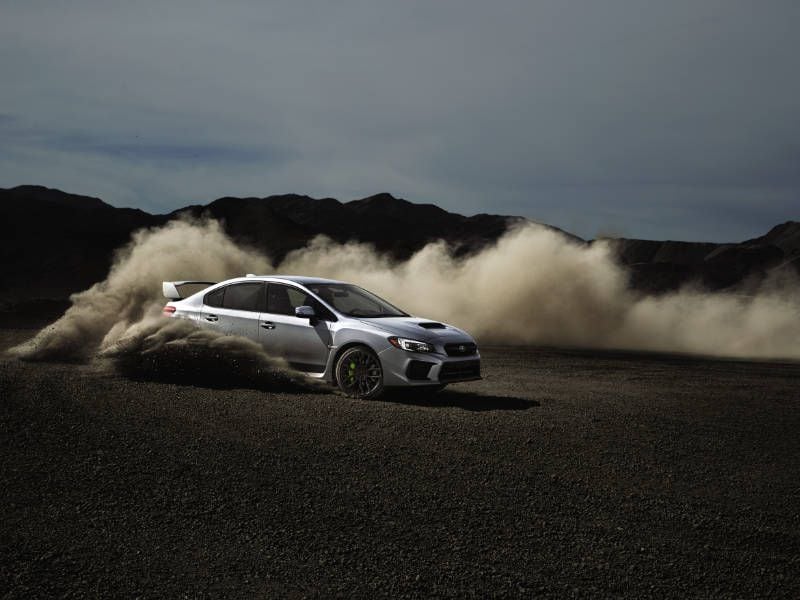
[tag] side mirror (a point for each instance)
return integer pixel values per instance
(305, 312)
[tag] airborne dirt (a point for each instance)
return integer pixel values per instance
(563, 473)
(534, 286)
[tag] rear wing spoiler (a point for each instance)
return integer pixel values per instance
(178, 290)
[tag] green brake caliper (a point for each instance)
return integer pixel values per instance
(352, 372)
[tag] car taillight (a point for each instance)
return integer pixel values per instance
(168, 310)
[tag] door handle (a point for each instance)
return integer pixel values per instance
(212, 318)
(268, 325)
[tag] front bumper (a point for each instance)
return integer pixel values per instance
(401, 368)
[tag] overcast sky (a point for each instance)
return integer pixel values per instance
(661, 119)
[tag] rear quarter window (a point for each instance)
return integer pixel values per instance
(244, 296)
(214, 298)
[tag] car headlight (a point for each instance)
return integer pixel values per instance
(410, 345)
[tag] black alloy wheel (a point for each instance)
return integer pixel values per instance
(359, 373)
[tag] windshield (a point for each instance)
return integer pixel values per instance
(354, 301)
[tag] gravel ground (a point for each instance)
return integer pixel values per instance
(563, 473)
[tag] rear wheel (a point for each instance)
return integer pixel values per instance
(359, 373)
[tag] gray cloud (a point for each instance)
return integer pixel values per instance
(659, 119)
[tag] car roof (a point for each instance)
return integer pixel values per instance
(302, 280)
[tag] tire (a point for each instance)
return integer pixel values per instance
(359, 373)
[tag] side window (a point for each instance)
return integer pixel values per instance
(214, 298)
(322, 312)
(283, 299)
(278, 300)
(296, 298)
(244, 296)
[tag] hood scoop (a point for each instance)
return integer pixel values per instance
(431, 325)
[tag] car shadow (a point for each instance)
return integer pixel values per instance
(457, 399)
(209, 368)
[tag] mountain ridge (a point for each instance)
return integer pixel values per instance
(61, 243)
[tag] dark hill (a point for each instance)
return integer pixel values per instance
(278, 224)
(57, 243)
(785, 236)
(657, 267)
(254, 222)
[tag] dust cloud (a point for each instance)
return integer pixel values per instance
(534, 286)
(177, 351)
(102, 314)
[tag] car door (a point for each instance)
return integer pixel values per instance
(304, 343)
(235, 309)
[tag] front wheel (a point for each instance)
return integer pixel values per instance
(359, 373)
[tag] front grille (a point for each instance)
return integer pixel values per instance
(418, 369)
(459, 371)
(462, 349)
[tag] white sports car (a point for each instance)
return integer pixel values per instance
(331, 330)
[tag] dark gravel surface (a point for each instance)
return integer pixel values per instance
(562, 474)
